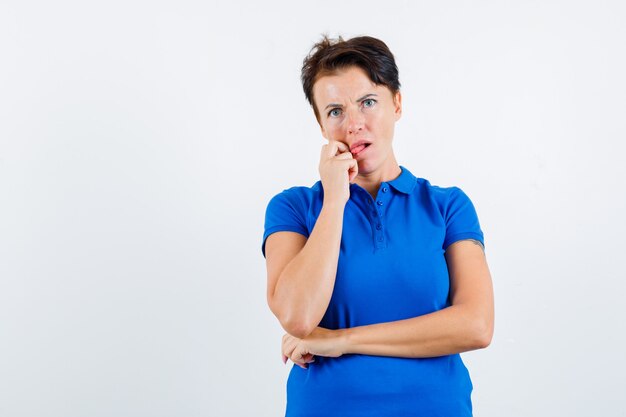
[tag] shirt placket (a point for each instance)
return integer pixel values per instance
(377, 216)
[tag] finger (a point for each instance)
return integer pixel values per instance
(350, 165)
(342, 147)
(288, 349)
(344, 155)
(334, 146)
(330, 149)
(353, 171)
(324, 151)
(288, 346)
(297, 358)
(301, 364)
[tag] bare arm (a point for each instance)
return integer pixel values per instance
(301, 292)
(301, 273)
(467, 324)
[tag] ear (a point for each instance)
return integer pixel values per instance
(397, 101)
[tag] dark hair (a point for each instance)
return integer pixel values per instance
(331, 55)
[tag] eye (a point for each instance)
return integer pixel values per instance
(334, 112)
(369, 102)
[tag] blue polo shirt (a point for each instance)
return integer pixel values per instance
(391, 267)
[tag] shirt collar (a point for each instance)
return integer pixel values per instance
(405, 182)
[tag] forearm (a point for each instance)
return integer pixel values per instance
(305, 286)
(455, 329)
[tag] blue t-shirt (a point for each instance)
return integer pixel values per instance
(391, 267)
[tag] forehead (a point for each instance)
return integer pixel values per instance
(345, 83)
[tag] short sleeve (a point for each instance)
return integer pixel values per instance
(461, 219)
(285, 212)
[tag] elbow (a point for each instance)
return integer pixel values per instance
(482, 334)
(478, 331)
(483, 341)
(294, 324)
(297, 327)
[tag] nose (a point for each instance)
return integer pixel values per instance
(354, 121)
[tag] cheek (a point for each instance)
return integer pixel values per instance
(379, 123)
(333, 128)
(387, 122)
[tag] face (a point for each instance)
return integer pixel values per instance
(353, 110)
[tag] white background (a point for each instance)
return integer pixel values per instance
(141, 141)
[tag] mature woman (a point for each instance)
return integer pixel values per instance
(378, 277)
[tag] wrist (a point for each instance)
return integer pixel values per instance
(333, 208)
(343, 338)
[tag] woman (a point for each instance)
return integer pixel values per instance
(378, 277)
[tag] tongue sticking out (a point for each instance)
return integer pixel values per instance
(358, 149)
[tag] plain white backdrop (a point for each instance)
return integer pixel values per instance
(140, 143)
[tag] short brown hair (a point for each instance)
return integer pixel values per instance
(331, 55)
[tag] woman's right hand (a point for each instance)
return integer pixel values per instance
(337, 169)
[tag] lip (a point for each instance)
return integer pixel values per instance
(356, 155)
(359, 143)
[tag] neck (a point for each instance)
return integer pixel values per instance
(371, 181)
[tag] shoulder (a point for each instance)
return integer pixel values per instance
(443, 197)
(298, 195)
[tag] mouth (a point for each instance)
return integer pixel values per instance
(359, 147)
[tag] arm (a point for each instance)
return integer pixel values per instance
(467, 324)
(301, 272)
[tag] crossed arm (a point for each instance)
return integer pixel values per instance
(467, 324)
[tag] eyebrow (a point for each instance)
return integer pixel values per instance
(361, 99)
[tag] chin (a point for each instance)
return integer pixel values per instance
(366, 166)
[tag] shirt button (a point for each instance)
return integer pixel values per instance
(380, 239)
(384, 189)
(379, 226)
(380, 203)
